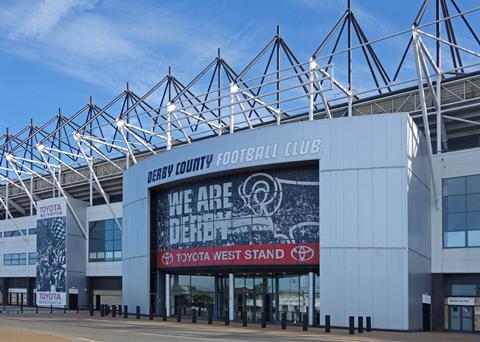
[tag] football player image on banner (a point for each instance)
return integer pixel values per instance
(51, 255)
(260, 218)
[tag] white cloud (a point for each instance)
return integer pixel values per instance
(38, 19)
(109, 43)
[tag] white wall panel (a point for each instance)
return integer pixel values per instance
(366, 240)
(349, 209)
(102, 212)
(379, 201)
(135, 256)
(381, 290)
(104, 269)
(367, 209)
(396, 202)
(366, 281)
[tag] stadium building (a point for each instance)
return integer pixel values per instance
(278, 188)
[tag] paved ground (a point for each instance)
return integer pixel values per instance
(81, 327)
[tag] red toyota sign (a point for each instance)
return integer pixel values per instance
(278, 254)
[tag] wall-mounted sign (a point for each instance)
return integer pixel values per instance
(203, 163)
(426, 299)
(262, 218)
(17, 290)
(73, 290)
(465, 301)
(51, 252)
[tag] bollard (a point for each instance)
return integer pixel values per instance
(369, 323)
(179, 314)
(91, 309)
(119, 310)
(150, 316)
(264, 319)
(360, 324)
(164, 314)
(107, 309)
(77, 309)
(114, 311)
(284, 320)
(227, 320)
(64, 309)
(102, 310)
(327, 323)
(210, 316)
(125, 311)
(351, 325)
(305, 322)
(51, 309)
(21, 307)
(137, 311)
(244, 318)
(36, 309)
(194, 315)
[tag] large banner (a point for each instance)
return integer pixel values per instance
(262, 218)
(51, 252)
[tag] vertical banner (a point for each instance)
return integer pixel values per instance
(51, 252)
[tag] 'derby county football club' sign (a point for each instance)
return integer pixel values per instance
(236, 157)
(267, 218)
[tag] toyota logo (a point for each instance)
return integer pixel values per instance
(302, 253)
(167, 258)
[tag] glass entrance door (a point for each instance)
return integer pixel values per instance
(250, 297)
(460, 318)
(467, 318)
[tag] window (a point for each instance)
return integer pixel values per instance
(11, 233)
(32, 258)
(461, 212)
(15, 259)
(469, 287)
(104, 241)
(32, 231)
(7, 259)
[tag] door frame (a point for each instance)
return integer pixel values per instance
(461, 318)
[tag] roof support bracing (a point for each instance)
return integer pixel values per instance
(67, 198)
(97, 181)
(273, 88)
(443, 19)
(12, 219)
(426, 124)
(16, 206)
(354, 29)
(315, 80)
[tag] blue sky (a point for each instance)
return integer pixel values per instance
(56, 53)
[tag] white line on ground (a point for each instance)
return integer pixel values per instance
(86, 339)
(189, 337)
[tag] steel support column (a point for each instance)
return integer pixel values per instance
(311, 298)
(167, 294)
(231, 297)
